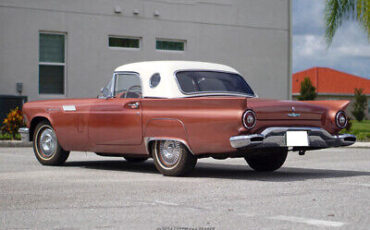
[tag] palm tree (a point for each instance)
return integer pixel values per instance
(336, 11)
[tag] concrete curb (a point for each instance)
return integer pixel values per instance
(15, 144)
(360, 145)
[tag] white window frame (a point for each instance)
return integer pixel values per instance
(125, 37)
(64, 64)
(171, 40)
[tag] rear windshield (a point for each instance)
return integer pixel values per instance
(194, 82)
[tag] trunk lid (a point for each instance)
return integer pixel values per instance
(266, 109)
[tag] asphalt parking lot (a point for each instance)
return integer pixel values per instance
(323, 189)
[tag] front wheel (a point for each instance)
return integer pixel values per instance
(267, 160)
(172, 158)
(46, 147)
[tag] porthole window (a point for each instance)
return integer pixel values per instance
(154, 80)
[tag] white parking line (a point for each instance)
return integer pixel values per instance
(315, 222)
(165, 203)
(365, 185)
(360, 184)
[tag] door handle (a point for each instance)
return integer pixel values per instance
(133, 105)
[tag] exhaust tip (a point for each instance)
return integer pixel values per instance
(257, 139)
(350, 139)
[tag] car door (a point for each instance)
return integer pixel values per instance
(116, 120)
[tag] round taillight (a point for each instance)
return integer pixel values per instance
(249, 119)
(341, 119)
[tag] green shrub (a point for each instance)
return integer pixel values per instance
(308, 91)
(360, 105)
(12, 123)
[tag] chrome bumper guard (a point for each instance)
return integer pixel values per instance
(275, 137)
(24, 134)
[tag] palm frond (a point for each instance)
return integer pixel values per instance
(336, 11)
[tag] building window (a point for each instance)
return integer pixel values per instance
(171, 45)
(51, 63)
(122, 42)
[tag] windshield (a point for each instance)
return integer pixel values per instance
(195, 82)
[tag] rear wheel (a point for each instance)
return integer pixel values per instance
(136, 159)
(267, 160)
(172, 158)
(46, 147)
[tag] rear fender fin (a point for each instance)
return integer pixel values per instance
(332, 105)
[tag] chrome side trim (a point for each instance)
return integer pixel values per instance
(147, 140)
(275, 137)
(69, 108)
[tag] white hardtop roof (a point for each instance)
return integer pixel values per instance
(173, 66)
(168, 86)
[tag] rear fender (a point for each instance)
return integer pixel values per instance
(165, 129)
(333, 107)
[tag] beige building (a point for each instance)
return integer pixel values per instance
(63, 49)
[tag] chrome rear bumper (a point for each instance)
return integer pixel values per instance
(275, 137)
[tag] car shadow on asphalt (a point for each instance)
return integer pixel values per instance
(223, 171)
(284, 174)
(115, 165)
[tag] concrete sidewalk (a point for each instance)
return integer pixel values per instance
(360, 145)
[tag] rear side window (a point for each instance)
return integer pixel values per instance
(193, 82)
(154, 80)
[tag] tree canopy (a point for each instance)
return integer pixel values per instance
(336, 11)
(308, 91)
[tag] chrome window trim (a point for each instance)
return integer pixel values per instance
(210, 93)
(126, 72)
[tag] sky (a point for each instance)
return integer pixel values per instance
(349, 51)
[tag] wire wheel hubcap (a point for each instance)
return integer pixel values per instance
(169, 152)
(48, 142)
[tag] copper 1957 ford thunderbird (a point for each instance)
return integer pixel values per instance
(177, 112)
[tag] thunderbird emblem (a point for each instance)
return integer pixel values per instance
(293, 114)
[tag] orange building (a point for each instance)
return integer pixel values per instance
(332, 85)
